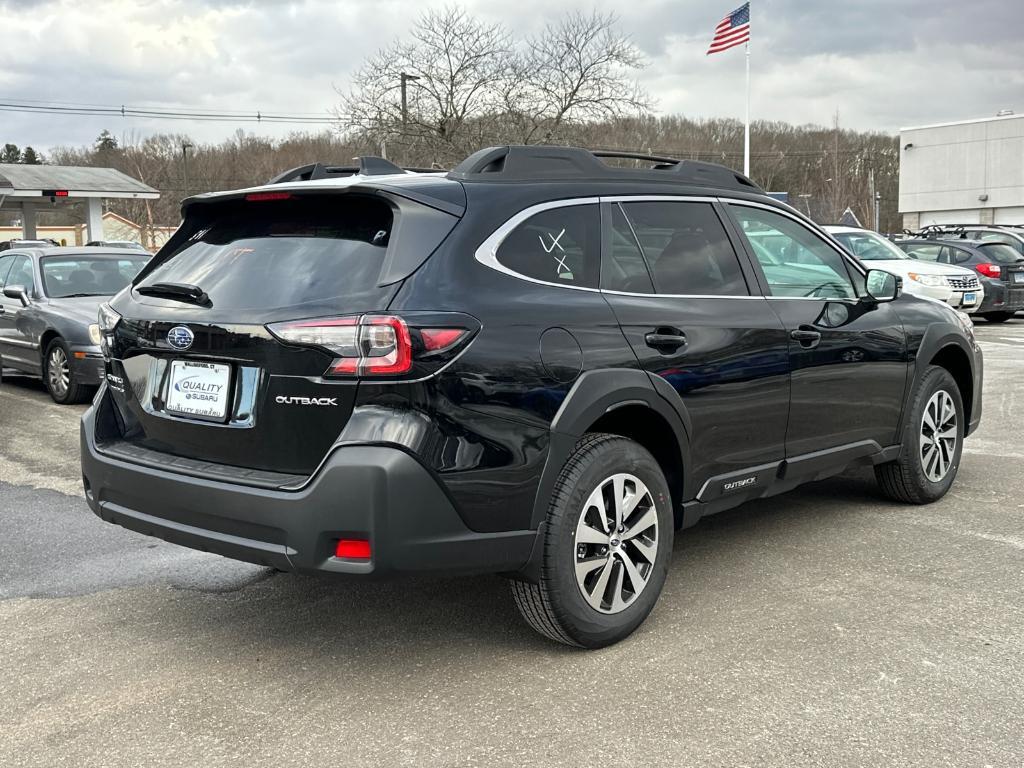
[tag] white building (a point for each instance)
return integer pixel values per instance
(969, 172)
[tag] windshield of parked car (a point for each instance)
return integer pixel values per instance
(869, 246)
(66, 276)
(1000, 253)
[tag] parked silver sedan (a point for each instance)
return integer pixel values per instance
(48, 305)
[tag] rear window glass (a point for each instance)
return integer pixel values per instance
(86, 276)
(285, 253)
(1000, 253)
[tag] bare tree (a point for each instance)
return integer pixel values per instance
(577, 69)
(471, 83)
(451, 68)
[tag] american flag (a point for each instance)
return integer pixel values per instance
(733, 30)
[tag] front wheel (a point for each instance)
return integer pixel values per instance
(606, 548)
(60, 380)
(933, 440)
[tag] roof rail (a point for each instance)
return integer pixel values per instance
(540, 162)
(368, 166)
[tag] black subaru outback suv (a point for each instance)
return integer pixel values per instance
(537, 365)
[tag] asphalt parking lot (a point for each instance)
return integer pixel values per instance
(825, 627)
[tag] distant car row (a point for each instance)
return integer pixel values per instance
(46, 242)
(977, 269)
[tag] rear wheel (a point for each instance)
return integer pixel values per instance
(60, 379)
(997, 317)
(932, 443)
(607, 545)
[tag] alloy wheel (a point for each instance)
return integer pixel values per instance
(938, 436)
(616, 543)
(58, 372)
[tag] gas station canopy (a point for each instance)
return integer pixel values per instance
(26, 188)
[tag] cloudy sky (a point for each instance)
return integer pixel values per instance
(882, 64)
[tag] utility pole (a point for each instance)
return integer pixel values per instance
(185, 147)
(835, 169)
(405, 97)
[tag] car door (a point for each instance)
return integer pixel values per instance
(848, 355)
(15, 346)
(692, 312)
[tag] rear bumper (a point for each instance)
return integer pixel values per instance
(1001, 298)
(370, 492)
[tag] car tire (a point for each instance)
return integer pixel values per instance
(928, 462)
(598, 582)
(59, 377)
(998, 317)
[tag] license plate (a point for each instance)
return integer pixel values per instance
(970, 298)
(1018, 277)
(199, 389)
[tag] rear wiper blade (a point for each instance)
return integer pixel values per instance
(191, 294)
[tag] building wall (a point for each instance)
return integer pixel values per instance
(949, 168)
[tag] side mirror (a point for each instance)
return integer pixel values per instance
(883, 286)
(17, 292)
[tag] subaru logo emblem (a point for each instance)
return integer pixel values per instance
(180, 337)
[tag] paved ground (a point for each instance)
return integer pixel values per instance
(821, 628)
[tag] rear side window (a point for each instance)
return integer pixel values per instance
(284, 253)
(560, 245)
(686, 249)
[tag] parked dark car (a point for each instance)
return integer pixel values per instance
(536, 365)
(1000, 269)
(1008, 234)
(48, 306)
(7, 245)
(129, 244)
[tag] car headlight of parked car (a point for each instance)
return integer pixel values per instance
(933, 281)
(94, 334)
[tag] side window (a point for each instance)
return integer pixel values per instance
(21, 273)
(625, 268)
(925, 252)
(5, 267)
(795, 261)
(959, 256)
(946, 255)
(559, 245)
(686, 249)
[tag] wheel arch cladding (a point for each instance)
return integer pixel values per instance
(622, 402)
(955, 360)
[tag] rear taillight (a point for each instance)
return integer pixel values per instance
(989, 270)
(371, 345)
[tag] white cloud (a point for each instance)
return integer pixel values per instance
(881, 64)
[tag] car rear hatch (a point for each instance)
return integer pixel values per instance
(196, 368)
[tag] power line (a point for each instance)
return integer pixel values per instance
(233, 116)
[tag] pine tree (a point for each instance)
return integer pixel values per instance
(105, 141)
(31, 157)
(10, 154)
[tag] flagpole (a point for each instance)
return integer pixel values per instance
(746, 124)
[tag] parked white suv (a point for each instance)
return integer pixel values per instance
(956, 286)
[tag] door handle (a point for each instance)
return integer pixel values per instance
(666, 340)
(808, 337)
